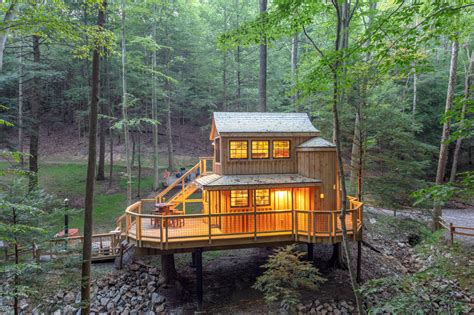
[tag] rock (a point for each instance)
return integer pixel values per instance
(69, 310)
(160, 308)
(157, 298)
(117, 297)
(104, 301)
(57, 312)
(301, 308)
(69, 298)
(110, 307)
(151, 286)
(134, 267)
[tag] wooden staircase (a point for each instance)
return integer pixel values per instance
(187, 184)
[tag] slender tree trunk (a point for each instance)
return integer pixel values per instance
(124, 110)
(102, 128)
(9, 15)
(111, 163)
(443, 151)
(415, 78)
(239, 81)
(262, 79)
(17, 261)
(224, 66)
(154, 114)
(111, 132)
(132, 136)
(91, 164)
(467, 88)
(169, 135)
(294, 66)
(20, 108)
(342, 42)
(35, 103)
(139, 160)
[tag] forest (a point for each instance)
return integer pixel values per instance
(106, 104)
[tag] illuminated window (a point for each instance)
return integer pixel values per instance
(281, 149)
(262, 197)
(238, 149)
(239, 198)
(260, 149)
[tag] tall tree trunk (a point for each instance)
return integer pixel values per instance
(262, 79)
(154, 114)
(443, 151)
(132, 136)
(20, 107)
(239, 81)
(91, 163)
(111, 132)
(111, 162)
(35, 103)
(102, 128)
(339, 71)
(467, 88)
(124, 110)
(415, 79)
(17, 261)
(139, 158)
(169, 134)
(9, 15)
(294, 66)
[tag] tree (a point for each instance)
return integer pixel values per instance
(467, 88)
(443, 151)
(9, 16)
(91, 164)
(262, 79)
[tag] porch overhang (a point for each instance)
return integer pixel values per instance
(227, 182)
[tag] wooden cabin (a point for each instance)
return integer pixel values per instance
(272, 179)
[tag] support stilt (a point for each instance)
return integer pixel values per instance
(310, 256)
(359, 259)
(193, 260)
(199, 287)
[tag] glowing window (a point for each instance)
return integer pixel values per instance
(238, 149)
(281, 149)
(262, 197)
(239, 198)
(260, 149)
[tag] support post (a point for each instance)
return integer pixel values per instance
(193, 260)
(199, 287)
(254, 201)
(359, 260)
(310, 256)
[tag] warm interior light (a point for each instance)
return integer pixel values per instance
(321, 196)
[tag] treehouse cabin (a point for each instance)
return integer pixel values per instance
(272, 180)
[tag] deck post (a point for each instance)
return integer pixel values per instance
(293, 213)
(359, 259)
(254, 215)
(310, 256)
(199, 287)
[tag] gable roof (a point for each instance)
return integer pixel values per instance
(259, 122)
(317, 142)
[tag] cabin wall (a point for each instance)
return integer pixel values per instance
(259, 166)
(321, 164)
(280, 199)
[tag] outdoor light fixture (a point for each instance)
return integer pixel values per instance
(321, 196)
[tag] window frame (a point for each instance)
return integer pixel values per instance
(273, 149)
(239, 206)
(269, 197)
(268, 150)
(230, 150)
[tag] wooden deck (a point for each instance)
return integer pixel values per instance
(252, 228)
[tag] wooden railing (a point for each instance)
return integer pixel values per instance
(197, 170)
(300, 224)
(454, 229)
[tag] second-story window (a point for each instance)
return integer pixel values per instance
(260, 149)
(281, 149)
(239, 198)
(238, 149)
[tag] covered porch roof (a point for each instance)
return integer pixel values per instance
(217, 182)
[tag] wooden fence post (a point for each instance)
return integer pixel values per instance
(451, 232)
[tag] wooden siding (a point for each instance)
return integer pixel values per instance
(321, 165)
(260, 166)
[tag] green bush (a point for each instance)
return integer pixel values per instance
(285, 274)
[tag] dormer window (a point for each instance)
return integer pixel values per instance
(238, 149)
(260, 149)
(281, 149)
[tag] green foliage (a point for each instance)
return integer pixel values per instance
(285, 274)
(436, 283)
